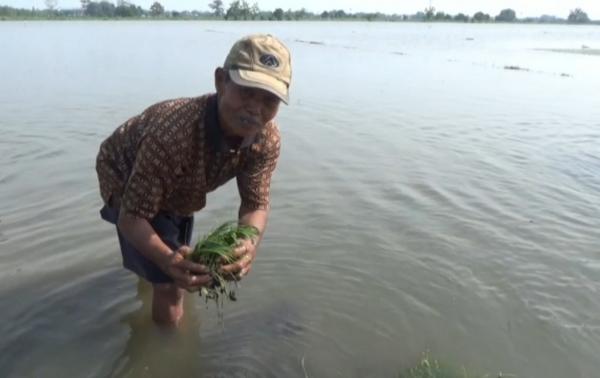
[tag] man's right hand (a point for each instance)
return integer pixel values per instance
(187, 274)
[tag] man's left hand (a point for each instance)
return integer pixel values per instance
(244, 255)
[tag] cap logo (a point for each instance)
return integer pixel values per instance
(269, 60)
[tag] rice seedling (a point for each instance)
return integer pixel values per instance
(215, 250)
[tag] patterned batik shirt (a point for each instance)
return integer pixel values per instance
(174, 153)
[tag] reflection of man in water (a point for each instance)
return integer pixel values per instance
(156, 169)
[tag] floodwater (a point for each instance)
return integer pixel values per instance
(428, 198)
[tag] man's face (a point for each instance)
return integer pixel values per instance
(243, 111)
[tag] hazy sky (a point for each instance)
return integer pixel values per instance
(524, 8)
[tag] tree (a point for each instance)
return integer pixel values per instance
(507, 15)
(101, 9)
(481, 17)
(300, 14)
(84, 5)
(238, 10)
(371, 16)
(429, 13)
(51, 5)
(278, 14)
(233, 12)
(461, 17)
(217, 8)
(245, 8)
(254, 11)
(439, 16)
(157, 9)
(578, 16)
(419, 16)
(126, 9)
(338, 13)
(548, 19)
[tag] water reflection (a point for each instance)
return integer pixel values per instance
(152, 351)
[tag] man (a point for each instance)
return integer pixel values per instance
(155, 170)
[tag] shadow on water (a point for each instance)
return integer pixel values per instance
(206, 348)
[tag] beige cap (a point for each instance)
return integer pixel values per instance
(261, 61)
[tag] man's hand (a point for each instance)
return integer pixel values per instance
(244, 255)
(187, 274)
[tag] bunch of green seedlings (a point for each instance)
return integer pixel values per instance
(216, 250)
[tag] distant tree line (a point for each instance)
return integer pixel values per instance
(242, 10)
(100, 9)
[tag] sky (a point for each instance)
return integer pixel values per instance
(528, 8)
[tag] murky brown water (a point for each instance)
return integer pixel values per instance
(426, 199)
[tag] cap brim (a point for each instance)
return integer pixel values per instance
(260, 80)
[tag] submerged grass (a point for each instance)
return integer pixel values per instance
(583, 51)
(431, 368)
(215, 250)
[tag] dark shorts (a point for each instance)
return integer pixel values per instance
(174, 231)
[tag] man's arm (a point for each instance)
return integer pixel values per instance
(142, 236)
(256, 218)
(245, 253)
(254, 184)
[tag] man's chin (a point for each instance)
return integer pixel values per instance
(247, 131)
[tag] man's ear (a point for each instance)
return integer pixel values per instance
(220, 76)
